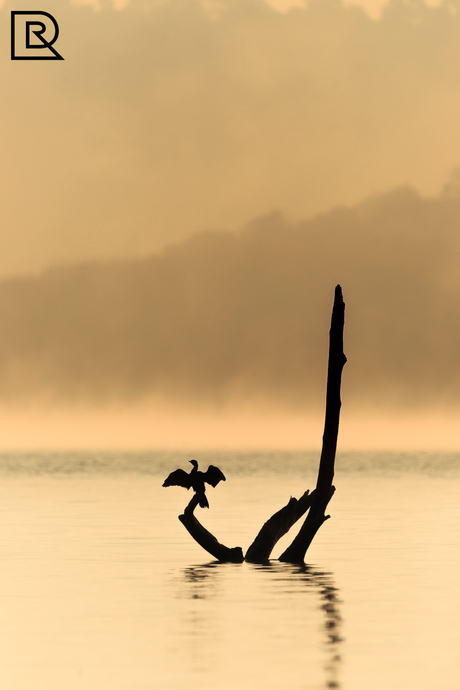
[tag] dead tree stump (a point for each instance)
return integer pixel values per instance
(295, 553)
(281, 522)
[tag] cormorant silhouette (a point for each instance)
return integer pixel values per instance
(196, 480)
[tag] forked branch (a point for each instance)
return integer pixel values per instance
(281, 522)
(276, 527)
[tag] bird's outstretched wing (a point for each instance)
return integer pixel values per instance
(178, 478)
(213, 475)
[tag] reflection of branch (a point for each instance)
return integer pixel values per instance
(206, 539)
(333, 620)
(301, 583)
(276, 527)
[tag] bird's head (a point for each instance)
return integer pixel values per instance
(194, 463)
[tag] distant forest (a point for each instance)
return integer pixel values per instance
(222, 317)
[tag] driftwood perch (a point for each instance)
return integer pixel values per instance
(281, 522)
(206, 539)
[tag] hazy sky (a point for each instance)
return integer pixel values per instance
(373, 7)
(167, 118)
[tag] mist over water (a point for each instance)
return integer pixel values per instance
(239, 321)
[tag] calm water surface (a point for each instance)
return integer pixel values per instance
(102, 587)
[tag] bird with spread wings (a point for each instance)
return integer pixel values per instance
(196, 480)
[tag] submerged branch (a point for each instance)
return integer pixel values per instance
(206, 539)
(276, 527)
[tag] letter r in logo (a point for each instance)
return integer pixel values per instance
(33, 34)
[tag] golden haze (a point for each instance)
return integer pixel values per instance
(168, 120)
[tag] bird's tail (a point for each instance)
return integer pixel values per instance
(203, 501)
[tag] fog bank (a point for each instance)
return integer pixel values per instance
(225, 318)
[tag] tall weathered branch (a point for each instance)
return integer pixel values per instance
(295, 553)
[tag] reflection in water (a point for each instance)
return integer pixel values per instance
(206, 582)
(200, 583)
(332, 624)
(323, 583)
(200, 629)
